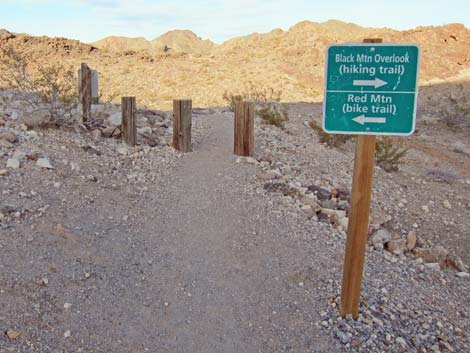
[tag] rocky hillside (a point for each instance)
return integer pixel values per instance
(290, 61)
(183, 41)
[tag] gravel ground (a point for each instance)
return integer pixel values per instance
(145, 250)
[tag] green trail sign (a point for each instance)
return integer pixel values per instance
(371, 89)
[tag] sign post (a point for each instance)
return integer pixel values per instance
(370, 89)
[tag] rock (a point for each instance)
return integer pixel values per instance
(111, 131)
(343, 222)
(308, 200)
(401, 341)
(3, 172)
(13, 163)
(13, 335)
(144, 131)
(447, 204)
(91, 149)
(341, 193)
(396, 246)
(67, 334)
(19, 155)
(321, 193)
(308, 210)
(381, 236)
(44, 163)
(251, 160)
(455, 262)
(67, 306)
(269, 175)
(433, 266)
(340, 214)
(432, 255)
(2, 217)
(5, 143)
(343, 337)
(122, 150)
(465, 275)
(411, 240)
(96, 135)
(8, 136)
(331, 203)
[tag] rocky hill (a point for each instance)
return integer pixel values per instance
(290, 61)
(182, 41)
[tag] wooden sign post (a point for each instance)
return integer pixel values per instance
(244, 123)
(85, 92)
(129, 129)
(370, 89)
(182, 123)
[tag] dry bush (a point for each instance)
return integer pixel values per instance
(456, 113)
(389, 153)
(273, 114)
(48, 90)
(251, 92)
(332, 140)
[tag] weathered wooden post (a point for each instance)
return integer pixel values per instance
(182, 123)
(244, 122)
(85, 92)
(129, 131)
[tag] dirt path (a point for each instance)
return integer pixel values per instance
(196, 263)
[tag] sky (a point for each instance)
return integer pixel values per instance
(218, 20)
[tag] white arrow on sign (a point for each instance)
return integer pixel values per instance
(362, 119)
(377, 82)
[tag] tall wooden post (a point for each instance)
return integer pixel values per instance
(129, 130)
(182, 123)
(85, 94)
(244, 122)
(358, 224)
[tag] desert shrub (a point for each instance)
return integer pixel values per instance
(273, 114)
(44, 88)
(443, 175)
(389, 153)
(456, 112)
(332, 140)
(254, 93)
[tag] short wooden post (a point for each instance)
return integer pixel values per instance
(244, 122)
(182, 123)
(129, 131)
(358, 224)
(85, 93)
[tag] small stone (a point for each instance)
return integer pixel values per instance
(425, 208)
(45, 281)
(67, 334)
(44, 163)
(67, 306)
(432, 255)
(8, 136)
(411, 240)
(251, 160)
(13, 335)
(381, 236)
(465, 275)
(3, 172)
(401, 341)
(396, 246)
(13, 163)
(343, 337)
(123, 151)
(5, 143)
(433, 266)
(447, 204)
